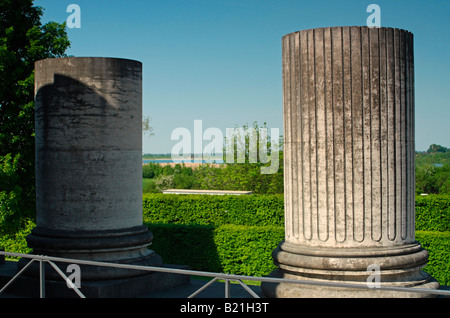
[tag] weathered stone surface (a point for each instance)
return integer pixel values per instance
(349, 160)
(89, 164)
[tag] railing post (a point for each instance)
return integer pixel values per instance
(227, 288)
(42, 278)
(2, 257)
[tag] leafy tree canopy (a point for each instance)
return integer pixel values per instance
(437, 148)
(433, 170)
(23, 40)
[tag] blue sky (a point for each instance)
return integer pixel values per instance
(219, 61)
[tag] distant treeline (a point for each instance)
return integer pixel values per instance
(433, 170)
(156, 155)
(233, 177)
(432, 175)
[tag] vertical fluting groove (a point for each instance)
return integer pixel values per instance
(350, 216)
(363, 145)
(376, 137)
(383, 133)
(300, 140)
(367, 124)
(292, 127)
(292, 145)
(382, 96)
(412, 144)
(287, 145)
(305, 135)
(305, 126)
(405, 137)
(369, 72)
(397, 136)
(330, 136)
(344, 152)
(308, 216)
(390, 221)
(316, 218)
(313, 129)
(402, 134)
(339, 135)
(410, 138)
(305, 129)
(294, 111)
(392, 180)
(343, 220)
(380, 138)
(370, 133)
(321, 171)
(357, 128)
(408, 178)
(334, 136)
(298, 126)
(352, 125)
(326, 212)
(315, 189)
(348, 131)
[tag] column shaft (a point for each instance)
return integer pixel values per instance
(348, 105)
(89, 163)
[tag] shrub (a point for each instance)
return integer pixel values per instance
(237, 234)
(16, 243)
(239, 177)
(182, 244)
(233, 249)
(438, 246)
(214, 209)
(433, 213)
(247, 250)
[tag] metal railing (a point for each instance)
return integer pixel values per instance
(216, 276)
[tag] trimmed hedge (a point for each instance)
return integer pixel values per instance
(232, 249)
(237, 234)
(438, 246)
(247, 250)
(214, 209)
(234, 239)
(238, 249)
(433, 213)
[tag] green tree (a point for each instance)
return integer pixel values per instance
(437, 148)
(433, 170)
(23, 40)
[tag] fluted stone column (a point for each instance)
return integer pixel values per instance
(89, 164)
(349, 162)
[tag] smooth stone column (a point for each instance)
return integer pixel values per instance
(89, 164)
(349, 163)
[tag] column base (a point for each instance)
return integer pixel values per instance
(125, 246)
(398, 266)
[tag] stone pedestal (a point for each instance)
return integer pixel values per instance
(349, 162)
(89, 165)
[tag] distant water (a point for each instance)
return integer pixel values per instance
(178, 161)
